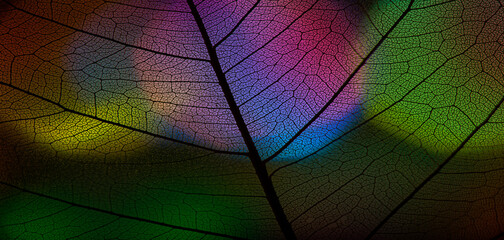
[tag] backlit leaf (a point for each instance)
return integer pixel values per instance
(251, 119)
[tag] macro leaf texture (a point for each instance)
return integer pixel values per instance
(251, 119)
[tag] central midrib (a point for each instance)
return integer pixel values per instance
(253, 154)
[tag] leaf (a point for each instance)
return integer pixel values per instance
(317, 119)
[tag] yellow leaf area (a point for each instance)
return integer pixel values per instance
(50, 97)
(29, 120)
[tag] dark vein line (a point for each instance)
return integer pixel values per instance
(292, 69)
(384, 110)
(447, 200)
(166, 233)
(498, 236)
(259, 166)
(330, 194)
(94, 229)
(31, 118)
(368, 120)
(371, 118)
(122, 125)
(433, 174)
(173, 103)
(272, 39)
(329, 223)
(51, 4)
(103, 37)
(349, 181)
(350, 77)
(434, 5)
(366, 14)
(237, 24)
(117, 214)
(475, 172)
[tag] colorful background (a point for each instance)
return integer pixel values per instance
(376, 119)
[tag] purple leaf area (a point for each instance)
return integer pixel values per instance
(251, 119)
